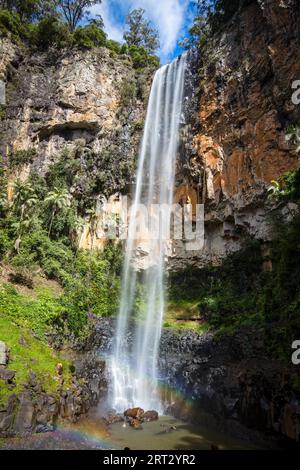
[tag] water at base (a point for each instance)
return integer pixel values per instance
(134, 369)
(172, 434)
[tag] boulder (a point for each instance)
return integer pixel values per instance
(3, 354)
(7, 375)
(113, 418)
(150, 416)
(136, 413)
(135, 423)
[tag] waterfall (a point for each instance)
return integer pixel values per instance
(134, 363)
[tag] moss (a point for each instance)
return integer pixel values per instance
(34, 355)
(184, 315)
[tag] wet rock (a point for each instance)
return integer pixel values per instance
(150, 416)
(135, 423)
(44, 428)
(136, 413)
(113, 417)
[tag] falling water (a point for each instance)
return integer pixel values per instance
(134, 363)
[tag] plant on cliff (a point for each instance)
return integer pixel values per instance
(287, 188)
(21, 157)
(293, 137)
(50, 32)
(89, 36)
(210, 17)
(58, 200)
(24, 200)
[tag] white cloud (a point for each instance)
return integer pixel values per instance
(168, 16)
(113, 27)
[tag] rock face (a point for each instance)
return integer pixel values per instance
(239, 112)
(228, 381)
(85, 104)
(33, 410)
(54, 102)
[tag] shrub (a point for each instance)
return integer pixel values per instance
(128, 91)
(89, 36)
(54, 257)
(50, 32)
(11, 25)
(113, 46)
(40, 314)
(94, 287)
(21, 157)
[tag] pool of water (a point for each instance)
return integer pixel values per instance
(171, 434)
(91, 433)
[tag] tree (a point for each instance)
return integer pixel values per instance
(140, 32)
(93, 222)
(27, 9)
(73, 11)
(90, 36)
(24, 200)
(58, 199)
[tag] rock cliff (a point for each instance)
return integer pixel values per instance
(90, 104)
(240, 110)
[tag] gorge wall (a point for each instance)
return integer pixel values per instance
(87, 104)
(233, 145)
(235, 138)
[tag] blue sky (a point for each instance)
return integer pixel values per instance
(172, 18)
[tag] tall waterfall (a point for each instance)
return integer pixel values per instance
(134, 367)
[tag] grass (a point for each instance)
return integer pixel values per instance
(35, 356)
(37, 314)
(184, 315)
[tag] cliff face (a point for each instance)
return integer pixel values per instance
(238, 110)
(244, 107)
(90, 103)
(57, 101)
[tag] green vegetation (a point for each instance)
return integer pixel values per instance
(128, 92)
(27, 354)
(44, 25)
(91, 36)
(21, 157)
(40, 226)
(240, 294)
